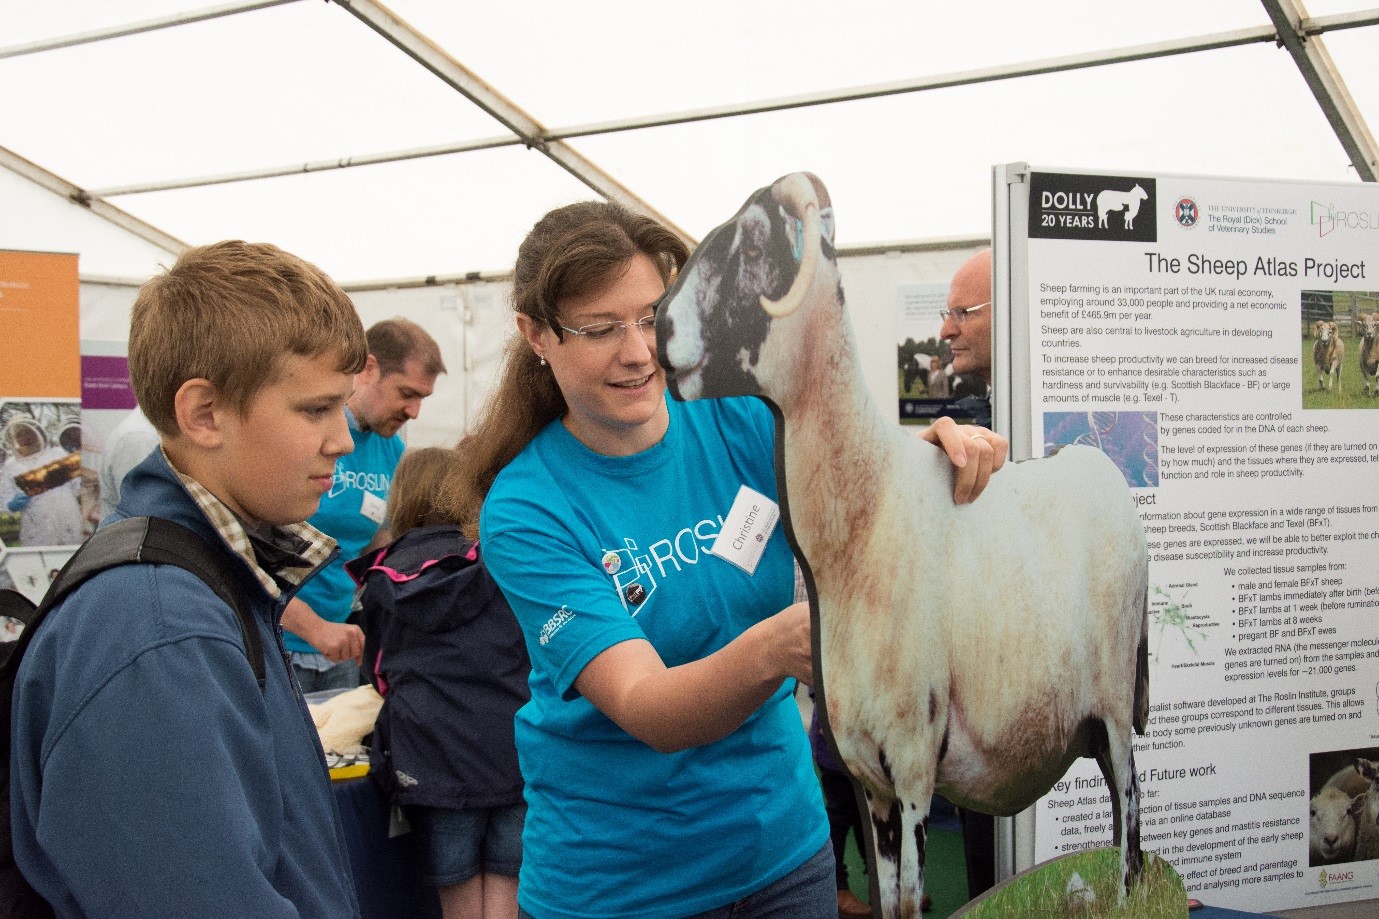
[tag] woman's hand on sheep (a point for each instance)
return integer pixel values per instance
(974, 452)
(673, 708)
(791, 642)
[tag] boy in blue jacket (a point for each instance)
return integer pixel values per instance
(151, 776)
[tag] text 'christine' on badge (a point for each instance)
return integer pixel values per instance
(747, 529)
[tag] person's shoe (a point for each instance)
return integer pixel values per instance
(849, 907)
(926, 903)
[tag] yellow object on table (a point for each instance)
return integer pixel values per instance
(350, 771)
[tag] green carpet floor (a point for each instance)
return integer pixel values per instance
(945, 873)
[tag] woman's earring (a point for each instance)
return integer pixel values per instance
(543, 362)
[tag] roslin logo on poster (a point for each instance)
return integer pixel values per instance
(1328, 218)
(1105, 208)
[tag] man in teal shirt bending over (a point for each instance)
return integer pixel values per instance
(402, 368)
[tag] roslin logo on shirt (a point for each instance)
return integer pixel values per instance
(632, 575)
(636, 573)
(345, 479)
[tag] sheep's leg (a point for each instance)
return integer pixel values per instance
(914, 830)
(1117, 762)
(886, 832)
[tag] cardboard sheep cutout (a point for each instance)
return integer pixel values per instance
(1028, 649)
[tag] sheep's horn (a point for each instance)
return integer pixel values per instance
(796, 194)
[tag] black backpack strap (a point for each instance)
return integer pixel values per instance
(157, 541)
(16, 606)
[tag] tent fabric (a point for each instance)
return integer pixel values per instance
(407, 149)
(299, 86)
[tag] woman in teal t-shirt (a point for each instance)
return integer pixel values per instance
(666, 766)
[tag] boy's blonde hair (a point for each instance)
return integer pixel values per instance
(228, 313)
(415, 485)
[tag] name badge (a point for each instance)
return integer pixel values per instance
(747, 529)
(374, 507)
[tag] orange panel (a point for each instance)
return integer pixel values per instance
(39, 325)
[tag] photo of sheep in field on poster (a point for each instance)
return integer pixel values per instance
(1340, 349)
(975, 650)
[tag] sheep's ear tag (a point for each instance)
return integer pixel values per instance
(747, 529)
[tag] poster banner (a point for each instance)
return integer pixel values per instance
(924, 377)
(43, 483)
(107, 401)
(42, 480)
(927, 385)
(39, 312)
(1216, 337)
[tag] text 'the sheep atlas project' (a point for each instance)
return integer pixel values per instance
(982, 674)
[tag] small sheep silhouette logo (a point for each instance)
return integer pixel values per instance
(1112, 200)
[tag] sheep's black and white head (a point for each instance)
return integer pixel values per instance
(753, 270)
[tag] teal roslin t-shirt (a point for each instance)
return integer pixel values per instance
(350, 513)
(594, 550)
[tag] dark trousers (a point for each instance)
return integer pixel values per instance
(840, 803)
(979, 849)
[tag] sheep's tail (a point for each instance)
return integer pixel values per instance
(1142, 674)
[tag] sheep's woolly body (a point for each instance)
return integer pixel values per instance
(869, 511)
(1327, 354)
(1369, 352)
(1365, 810)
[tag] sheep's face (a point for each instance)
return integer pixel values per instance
(1331, 827)
(712, 323)
(1371, 325)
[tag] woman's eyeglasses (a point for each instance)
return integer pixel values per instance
(611, 332)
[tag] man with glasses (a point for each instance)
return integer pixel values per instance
(402, 367)
(967, 329)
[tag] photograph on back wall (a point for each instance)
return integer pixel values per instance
(43, 485)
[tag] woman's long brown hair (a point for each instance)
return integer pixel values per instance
(574, 251)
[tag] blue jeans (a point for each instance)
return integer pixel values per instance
(344, 675)
(808, 892)
(458, 844)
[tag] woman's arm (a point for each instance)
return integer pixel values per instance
(674, 708)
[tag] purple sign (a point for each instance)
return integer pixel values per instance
(105, 382)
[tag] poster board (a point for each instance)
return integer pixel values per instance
(43, 485)
(1174, 322)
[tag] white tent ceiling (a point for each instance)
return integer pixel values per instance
(684, 108)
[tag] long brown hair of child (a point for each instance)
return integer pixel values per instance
(415, 486)
(573, 251)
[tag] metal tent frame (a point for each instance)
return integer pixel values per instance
(1291, 29)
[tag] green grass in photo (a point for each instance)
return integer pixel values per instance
(1351, 391)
